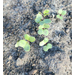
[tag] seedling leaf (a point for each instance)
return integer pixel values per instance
(40, 31)
(64, 12)
(60, 17)
(21, 43)
(45, 40)
(49, 46)
(41, 43)
(38, 18)
(17, 44)
(47, 21)
(27, 47)
(46, 26)
(41, 26)
(42, 23)
(32, 39)
(46, 11)
(26, 36)
(60, 11)
(45, 32)
(45, 48)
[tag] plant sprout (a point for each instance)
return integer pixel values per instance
(45, 21)
(43, 31)
(38, 18)
(46, 12)
(25, 43)
(43, 42)
(46, 47)
(61, 13)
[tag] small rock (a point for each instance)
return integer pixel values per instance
(33, 72)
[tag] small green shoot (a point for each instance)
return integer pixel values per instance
(46, 47)
(43, 31)
(61, 13)
(29, 38)
(24, 43)
(45, 21)
(44, 26)
(46, 12)
(43, 42)
(38, 18)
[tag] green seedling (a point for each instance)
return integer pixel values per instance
(43, 31)
(43, 42)
(46, 12)
(38, 18)
(47, 46)
(61, 13)
(44, 26)
(25, 43)
(45, 21)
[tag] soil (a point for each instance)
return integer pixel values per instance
(19, 19)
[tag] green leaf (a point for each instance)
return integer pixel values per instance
(38, 18)
(47, 21)
(41, 43)
(17, 44)
(45, 40)
(41, 26)
(61, 17)
(46, 11)
(40, 31)
(27, 47)
(60, 11)
(26, 36)
(58, 16)
(32, 39)
(64, 12)
(45, 32)
(41, 23)
(45, 48)
(21, 43)
(46, 26)
(49, 46)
